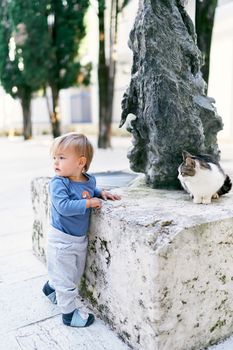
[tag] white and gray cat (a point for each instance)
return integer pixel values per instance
(203, 178)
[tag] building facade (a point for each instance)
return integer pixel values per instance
(221, 67)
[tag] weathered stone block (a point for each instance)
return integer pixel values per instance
(40, 204)
(159, 268)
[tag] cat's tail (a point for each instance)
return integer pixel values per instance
(226, 187)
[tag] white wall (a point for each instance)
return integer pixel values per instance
(221, 68)
(190, 6)
(223, 2)
(10, 112)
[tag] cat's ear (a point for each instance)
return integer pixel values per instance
(190, 162)
(186, 154)
(188, 159)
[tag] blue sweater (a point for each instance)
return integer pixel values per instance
(68, 204)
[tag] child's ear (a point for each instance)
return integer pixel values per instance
(82, 161)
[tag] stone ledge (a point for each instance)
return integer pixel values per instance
(159, 267)
(40, 205)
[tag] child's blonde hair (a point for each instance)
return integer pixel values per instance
(79, 142)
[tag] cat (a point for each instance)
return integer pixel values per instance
(203, 178)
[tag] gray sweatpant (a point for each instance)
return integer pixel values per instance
(66, 257)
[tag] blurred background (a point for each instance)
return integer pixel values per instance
(64, 65)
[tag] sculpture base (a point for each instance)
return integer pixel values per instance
(159, 268)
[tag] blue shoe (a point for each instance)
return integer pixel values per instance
(50, 293)
(78, 319)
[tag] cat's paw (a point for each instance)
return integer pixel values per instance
(197, 200)
(215, 196)
(206, 200)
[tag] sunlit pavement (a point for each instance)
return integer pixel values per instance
(28, 321)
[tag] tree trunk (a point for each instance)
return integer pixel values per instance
(103, 71)
(54, 115)
(112, 59)
(26, 108)
(205, 11)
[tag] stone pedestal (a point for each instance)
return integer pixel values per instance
(159, 268)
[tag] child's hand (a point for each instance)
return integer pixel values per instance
(107, 195)
(95, 203)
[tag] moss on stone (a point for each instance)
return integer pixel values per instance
(86, 293)
(218, 324)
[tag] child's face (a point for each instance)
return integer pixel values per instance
(67, 163)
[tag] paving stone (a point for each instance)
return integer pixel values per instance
(20, 266)
(51, 334)
(22, 303)
(9, 341)
(14, 243)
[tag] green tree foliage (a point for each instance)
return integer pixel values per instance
(107, 68)
(205, 11)
(23, 48)
(39, 46)
(66, 29)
